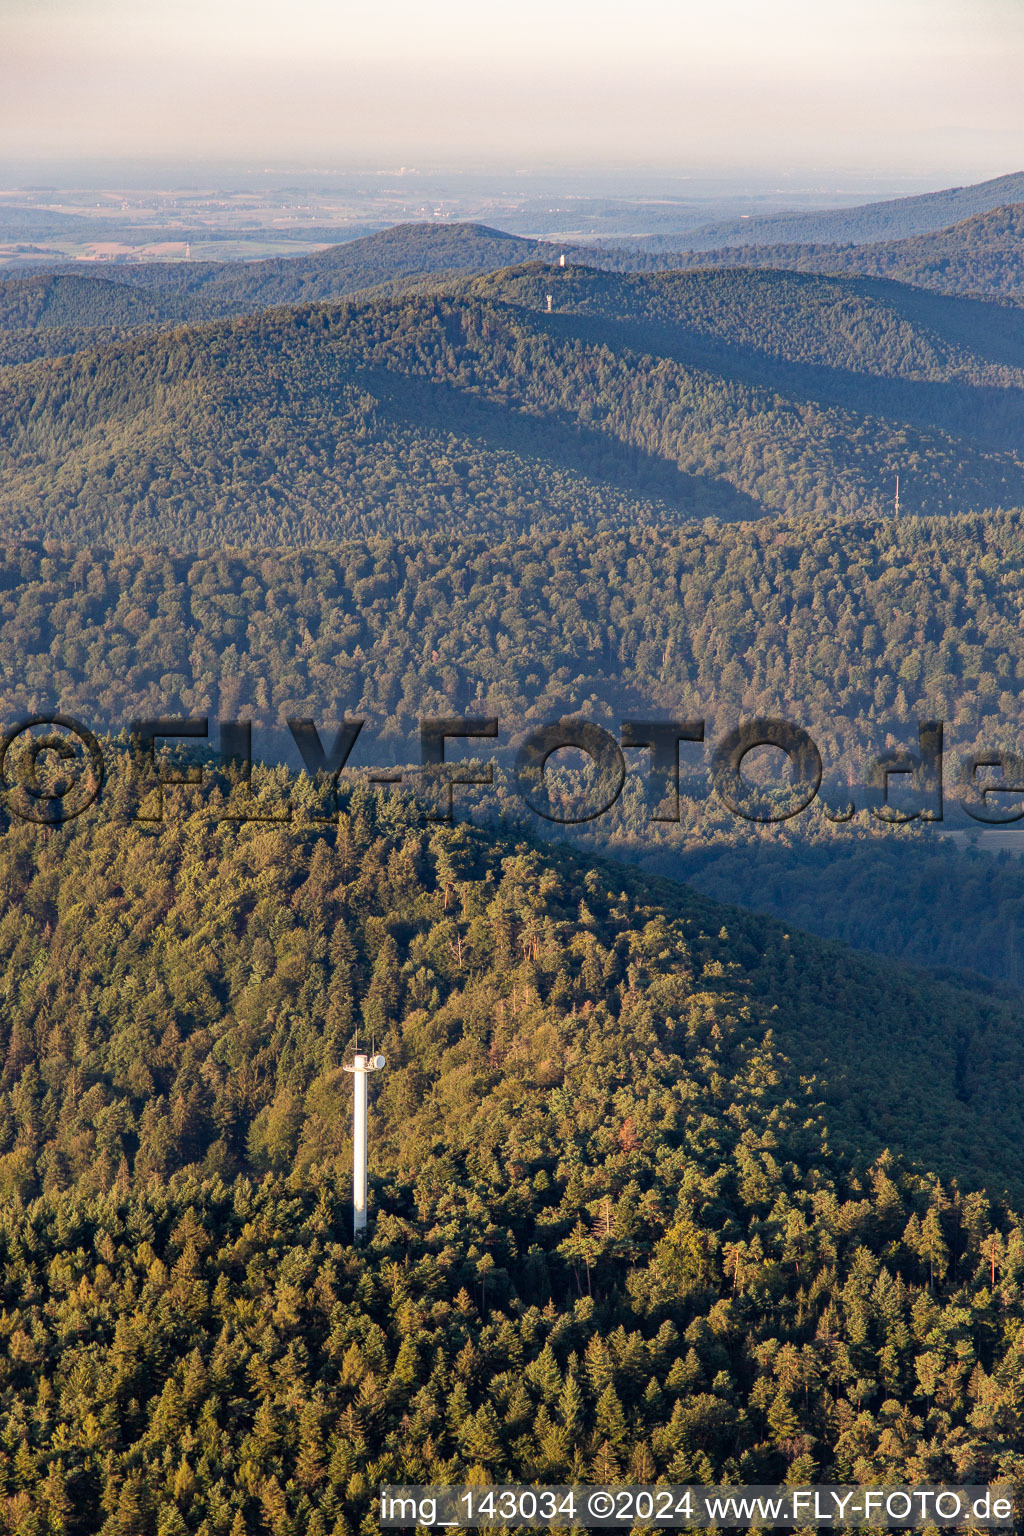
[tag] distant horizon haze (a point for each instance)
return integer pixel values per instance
(926, 91)
(441, 181)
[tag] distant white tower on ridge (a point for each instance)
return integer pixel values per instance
(896, 503)
(561, 260)
(361, 1065)
(549, 297)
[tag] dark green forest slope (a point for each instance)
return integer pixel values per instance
(920, 899)
(895, 623)
(64, 300)
(824, 327)
(655, 1184)
(55, 311)
(89, 304)
(982, 255)
(660, 1187)
(730, 395)
(895, 219)
(902, 621)
(403, 251)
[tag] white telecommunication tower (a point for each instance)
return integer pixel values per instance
(549, 297)
(361, 1065)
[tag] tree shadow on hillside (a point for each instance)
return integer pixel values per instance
(558, 441)
(986, 415)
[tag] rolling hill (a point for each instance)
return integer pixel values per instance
(639, 397)
(983, 255)
(894, 219)
(856, 636)
(52, 313)
(206, 289)
(658, 1188)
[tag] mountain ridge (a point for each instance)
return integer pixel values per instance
(981, 256)
(54, 313)
(637, 1202)
(893, 218)
(731, 394)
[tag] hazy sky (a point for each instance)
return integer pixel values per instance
(929, 88)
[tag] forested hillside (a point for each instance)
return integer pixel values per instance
(832, 326)
(90, 304)
(661, 1188)
(854, 639)
(138, 294)
(403, 251)
(897, 621)
(727, 395)
(915, 897)
(50, 314)
(982, 255)
(54, 314)
(655, 1183)
(896, 219)
(64, 300)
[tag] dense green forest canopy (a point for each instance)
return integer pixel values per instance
(879, 328)
(658, 1187)
(728, 394)
(919, 899)
(54, 311)
(55, 314)
(661, 1187)
(51, 313)
(113, 939)
(894, 622)
(65, 299)
(982, 255)
(895, 219)
(856, 639)
(139, 294)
